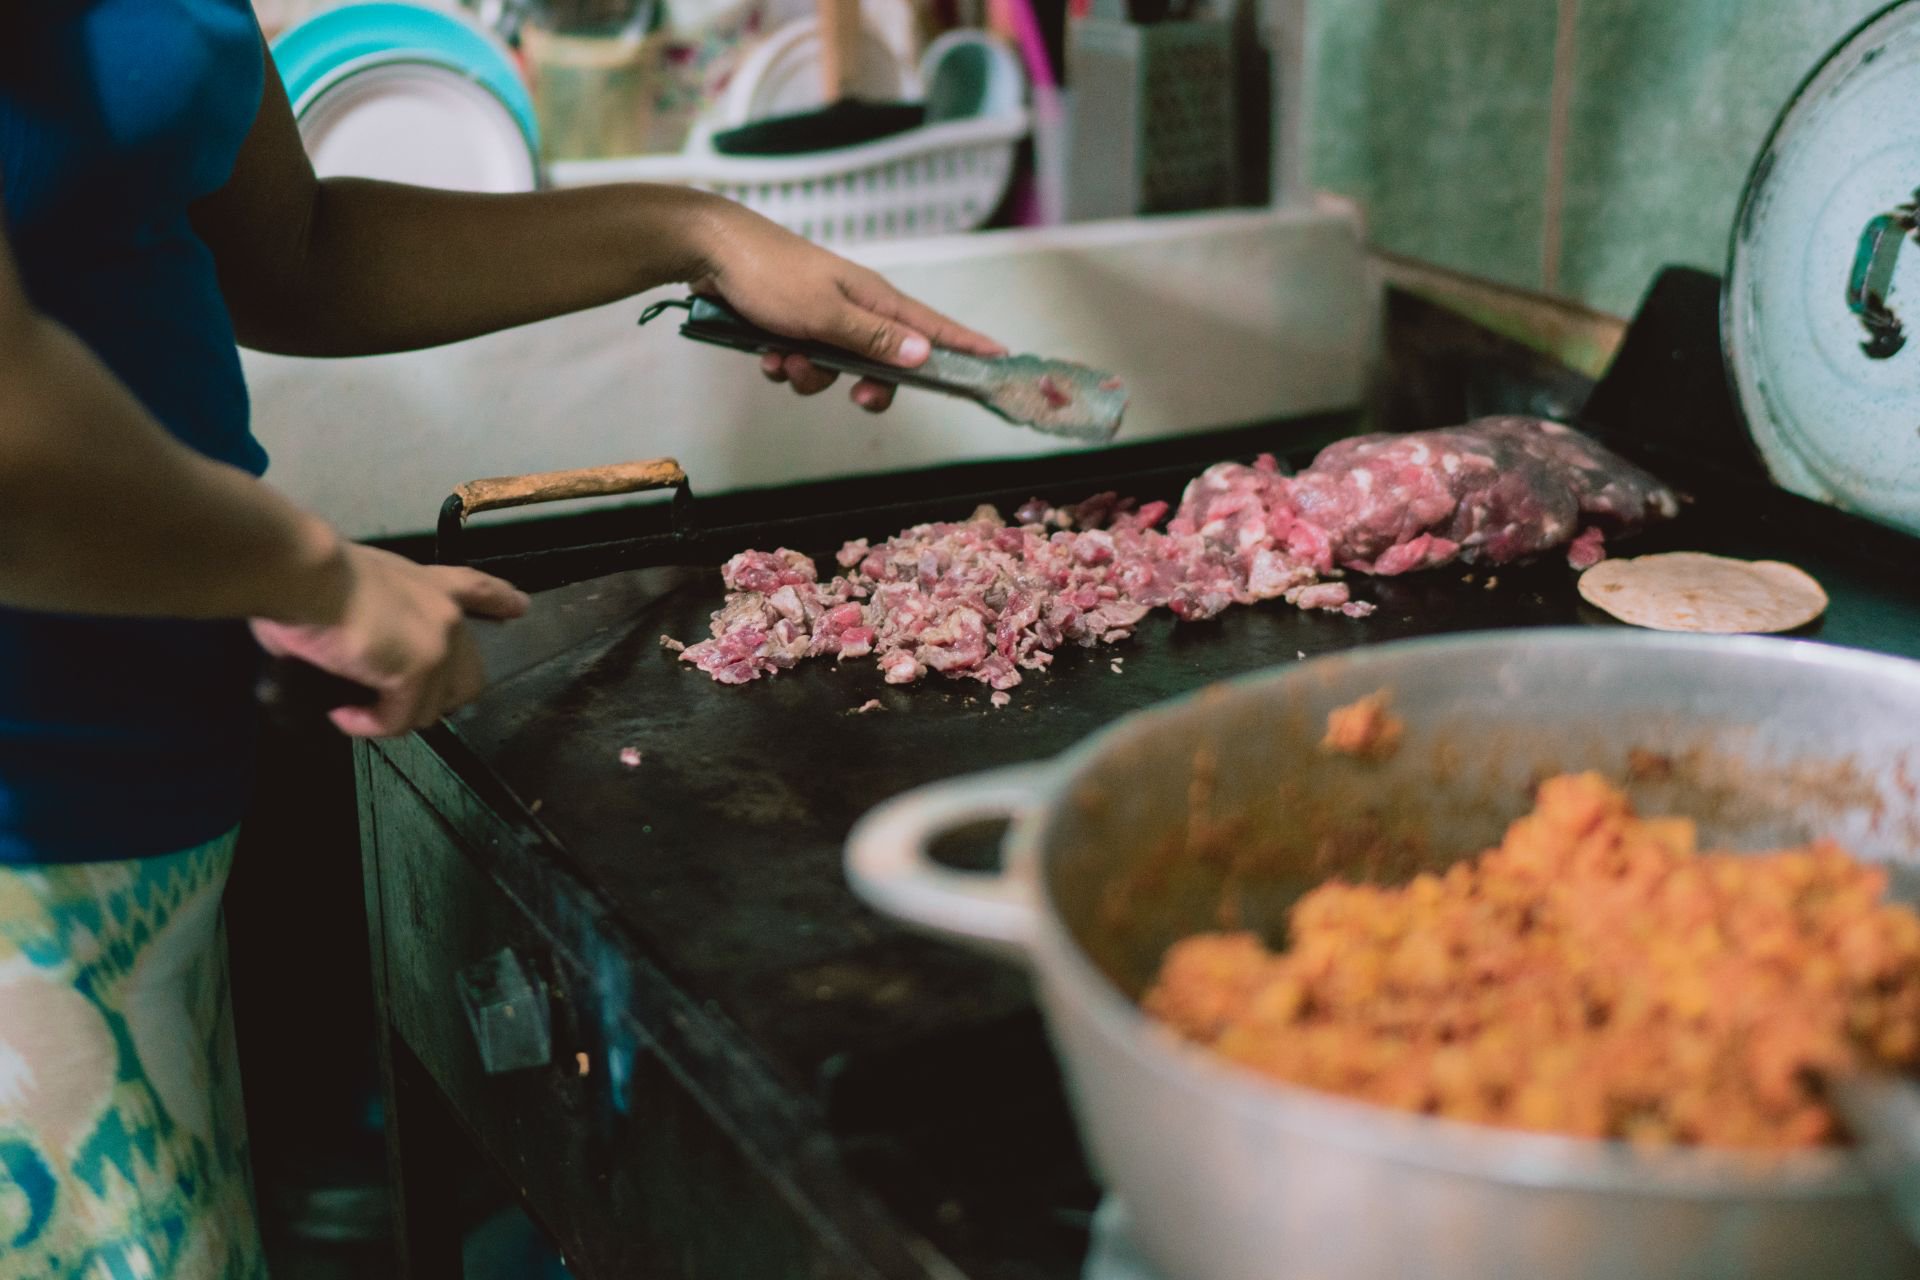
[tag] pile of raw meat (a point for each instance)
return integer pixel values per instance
(985, 600)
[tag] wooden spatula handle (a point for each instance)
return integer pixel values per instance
(558, 486)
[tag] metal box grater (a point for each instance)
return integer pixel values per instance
(1152, 128)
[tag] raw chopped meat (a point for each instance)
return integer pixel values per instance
(767, 572)
(978, 598)
(1589, 549)
(778, 612)
(1496, 490)
(1322, 595)
(985, 600)
(1097, 512)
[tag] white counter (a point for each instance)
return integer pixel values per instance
(1213, 319)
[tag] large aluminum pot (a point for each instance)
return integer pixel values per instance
(1229, 1176)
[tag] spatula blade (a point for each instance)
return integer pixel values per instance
(1058, 397)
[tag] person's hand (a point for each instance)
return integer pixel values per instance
(791, 286)
(400, 629)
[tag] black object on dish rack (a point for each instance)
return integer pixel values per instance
(847, 123)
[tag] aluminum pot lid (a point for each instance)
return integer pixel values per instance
(1821, 314)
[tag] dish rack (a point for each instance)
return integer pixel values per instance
(937, 179)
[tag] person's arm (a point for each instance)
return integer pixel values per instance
(355, 267)
(103, 512)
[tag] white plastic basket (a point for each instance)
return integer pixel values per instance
(933, 180)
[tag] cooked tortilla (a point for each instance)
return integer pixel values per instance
(1689, 591)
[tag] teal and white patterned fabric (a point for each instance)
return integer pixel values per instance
(122, 1143)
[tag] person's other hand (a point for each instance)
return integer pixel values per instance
(791, 286)
(400, 629)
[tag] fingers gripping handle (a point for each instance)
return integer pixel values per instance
(712, 321)
(297, 695)
(891, 866)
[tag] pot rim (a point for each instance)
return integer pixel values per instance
(1511, 1157)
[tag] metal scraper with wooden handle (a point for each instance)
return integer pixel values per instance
(297, 696)
(1056, 397)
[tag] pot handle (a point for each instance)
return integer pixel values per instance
(892, 870)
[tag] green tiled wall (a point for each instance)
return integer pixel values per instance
(1435, 115)
(1438, 114)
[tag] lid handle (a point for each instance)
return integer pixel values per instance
(1871, 279)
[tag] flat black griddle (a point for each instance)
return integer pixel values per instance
(719, 855)
(861, 1064)
(739, 785)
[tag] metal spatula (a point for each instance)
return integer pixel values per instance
(1056, 397)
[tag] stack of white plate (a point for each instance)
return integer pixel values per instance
(410, 93)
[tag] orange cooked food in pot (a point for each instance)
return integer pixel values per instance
(1594, 975)
(1365, 729)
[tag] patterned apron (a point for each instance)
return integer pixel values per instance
(123, 1152)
